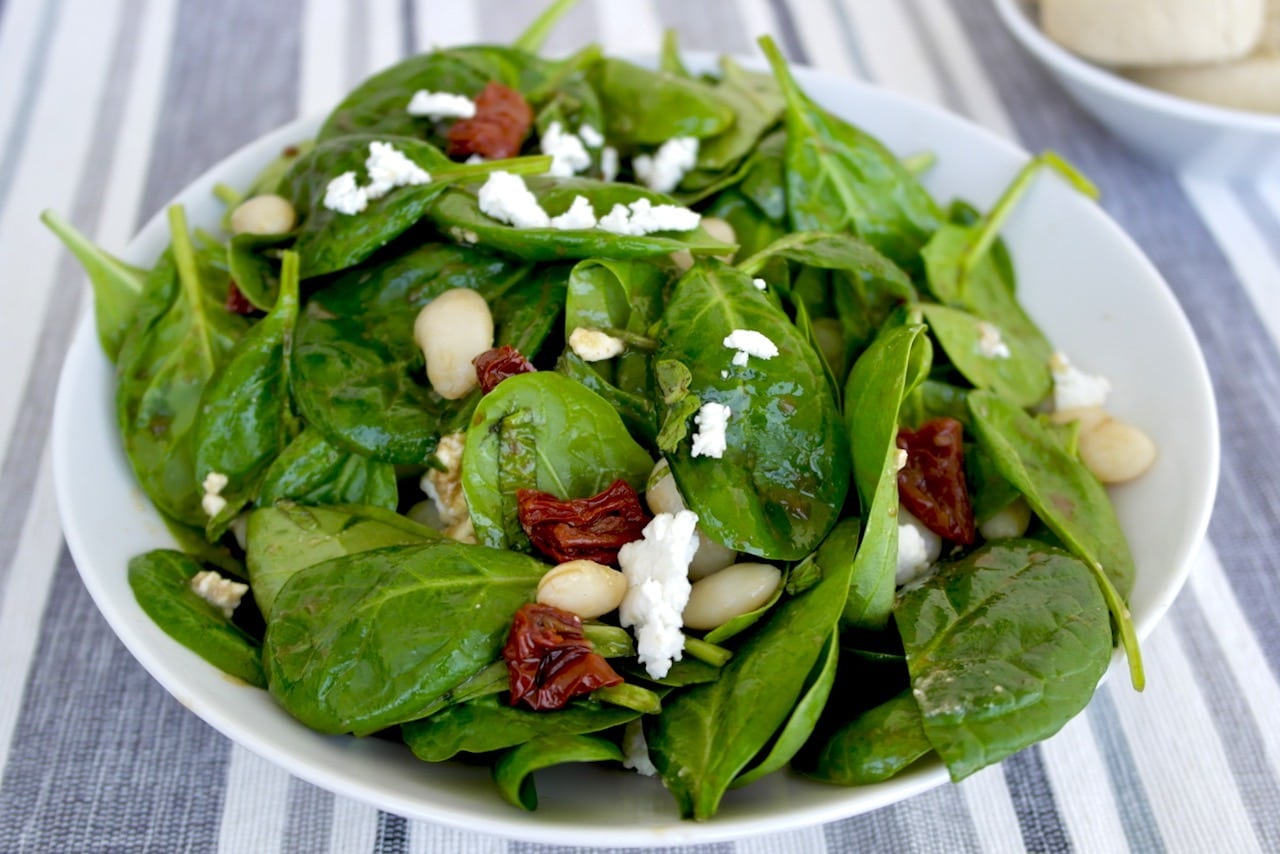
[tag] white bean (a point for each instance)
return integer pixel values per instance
(1009, 521)
(583, 587)
(718, 228)
(265, 214)
(731, 592)
(453, 329)
(1116, 452)
(663, 496)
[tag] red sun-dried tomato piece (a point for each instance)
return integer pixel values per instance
(582, 528)
(498, 128)
(550, 661)
(237, 302)
(932, 484)
(494, 366)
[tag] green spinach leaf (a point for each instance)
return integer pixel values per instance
(874, 746)
(647, 107)
(312, 471)
(514, 771)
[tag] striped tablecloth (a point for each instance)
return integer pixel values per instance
(107, 107)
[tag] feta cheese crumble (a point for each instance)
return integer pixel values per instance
(608, 163)
(213, 502)
(592, 137)
(580, 215)
(644, 217)
(444, 488)
(760, 284)
(1075, 389)
(712, 419)
(222, 593)
(441, 105)
(918, 548)
(991, 342)
(657, 571)
(664, 169)
(388, 168)
(749, 343)
(506, 198)
(592, 345)
(568, 154)
(635, 750)
(345, 196)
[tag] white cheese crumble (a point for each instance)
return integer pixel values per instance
(991, 342)
(712, 419)
(388, 168)
(444, 488)
(608, 163)
(899, 459)
(213, 502)
(476, 158)
(1075, 389)
(592, 345)
(657, 571)
(222, 593)
(749, 343)
(345, 196)
(506, 198)
(644, 217)
(635, 750)
(760, 284)
(441, 105)
(568, 154)
(580, 215)
(664, 169)
(592, 137)
(918, 548)
(464, 235)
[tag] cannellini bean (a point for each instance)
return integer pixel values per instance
(453, 329)
(1115, 451)
(1088, 416)
(426, 513)
(265, 214)
(1010, 521)
(583, 587)
(663, 496)
(718, 228)
(731, 592)
(830, 337)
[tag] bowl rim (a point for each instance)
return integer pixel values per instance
(519, 825)
(1016, 19)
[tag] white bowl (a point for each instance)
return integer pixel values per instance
(1178, 132)
(1107, 307)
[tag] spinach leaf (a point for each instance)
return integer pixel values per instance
(1021, 374)
(457, 212)
(708, 734)
(879, 381)
(287, 538)
(779, 486)
(514, 771)
(764, 180)
(365, 641)
(532, 39)
(636, 410)
(547, 432)
(161, 582)
(312, 471)
(246, 418)
(647, 107)
(357, 371)
(751, 227)
(828, 251)
(1067, 498)
(182, 335)
(491, 723)
(252, 270)
(117, 286)
(1004, 647)
(757, 106)
(840, 178)
(874, 746)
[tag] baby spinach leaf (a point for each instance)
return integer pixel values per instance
(840, 178)
(757, 105)
(161, 582)
(491, 723)
(879, 381)
(647, 107)
(687, 671)
(751, 227)
(706, 735)
(874, 746)
(535, 35)
(312, 471)
(636, 411)
(457, 212)
(182, 335)
(764, 180)
(117, 286)
(287, 537)
(514, 771)
(365, 641)
(617, 295)
(1021, 375)
(828, 251)
(780, 484)
(1004, 647)
(1067, 498)
(246, 418)
(569, 442)
(486, 682)
(358, 374)
(252, 270)
(669, 58)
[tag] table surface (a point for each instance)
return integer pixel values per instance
(108, 108)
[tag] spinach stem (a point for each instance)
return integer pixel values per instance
(919, 163)
(535, 35)
(227, 194)
(630, 696)
(716, 656)
(184, 257)
(534, 165)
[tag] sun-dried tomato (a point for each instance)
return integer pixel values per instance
(932, 484)
(237, 302)
(582, 528)
(550, 661)
(494, 366)
(498, 128)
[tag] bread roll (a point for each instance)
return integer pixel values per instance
(1154, 32)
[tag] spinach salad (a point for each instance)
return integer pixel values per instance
(706, 290)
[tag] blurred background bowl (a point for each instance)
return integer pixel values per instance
(1177, 132)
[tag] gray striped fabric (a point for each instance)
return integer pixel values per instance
(107, 107)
